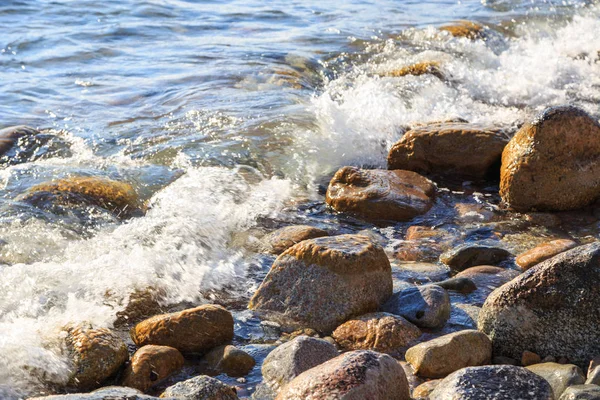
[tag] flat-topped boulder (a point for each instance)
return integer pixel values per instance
(320, 283)
(449, 148)
(380, 194)
(553, 162)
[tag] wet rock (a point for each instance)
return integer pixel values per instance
(486, 278)
(424, 390)
(291, 359)
(551, 309)
(117, 197)
(462, 316)
(381, 332)
(472, 254)
(150, 365)
(282, 239)
(530, 358)
(543, 252)
(320, 283)
(553, 163)
(142, 304)
(581, 392)
(559, 376)
(473, 213)
(593, 375)
(19, 144)
(420, 273)
(200, 388)
(229, 360)
(460, 285)
(380, 194)
(457, 149)
(105, 393)
(417, 69)
(546, 219)
(285, 337)
(95, 355)
(498, 382)
(195, 330)
(467, 29)
(446, 354)
(358, 374)
(425, 306)
(422, 252)
(418, 232)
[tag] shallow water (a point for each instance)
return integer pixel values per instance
(228, 116)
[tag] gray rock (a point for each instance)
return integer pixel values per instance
(291, 359)
(460, 285)
(425, 306)
(472, 254)
(559, 376)
(230, 360)
(593, 374)
(493, 382)
(581, 392)
(282, 239)
(105, 393)
(200, 388)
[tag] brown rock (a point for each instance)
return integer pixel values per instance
(446, 354)
(141, 304)
(466, 29)
(320, 283)
(200, 388)
(423, 391)
(559, 376)
(9, 136)
(530, 358)
(381, 332)
(417, 69)
(460, 149)
(150, 365)
(380, 194)
(543, 252)
(230, 360)
(355, 375)
(193, 330)
(553, 163)
(282, 239)
(422, 252)
(470, 255)
(417, 232)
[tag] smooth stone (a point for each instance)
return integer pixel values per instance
(553, 162)
(551, 309)
(282, 239)
(449, 148)
(559, 376)
(462, 316)
(320, 283)
(380, 194)
(356, 375)
(486, 278)
(230, 360)
(291, 359)
(425, 306)
(446, 354)
(460, 285)
(472, 254)
(420, 273)
(151, 364)
(200, 388)
(105, 393)
(543, 252)
(424, 390)
(529, 358)
(381, 332)
(418, 251)
(195, 330)
(581, 392)
(465, 29)
(497, 382)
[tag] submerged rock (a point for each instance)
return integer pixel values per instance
(543, 252)
(425, 306)
(361, 374)
(106, 393)
(417, 69)
(381, 332)
(553, 163)
(460, 285)
(498, 382)
(19, 144)
(282, 239)
(486, 278)
(320, 283)
(380, 194)
(195, 330)
(472, 254)
(447, 148)
(559, 376)
(467, 29)
(150, 365)
(141, 304)
(552, 309)
(200, 388)
(230, 360)
(420, 273)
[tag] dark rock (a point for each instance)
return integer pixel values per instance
(20, 144)
(486, 278)
(530, 358)
(460, 285)
(200, 388)
(472, 254)
(425, 306)
(229, 360)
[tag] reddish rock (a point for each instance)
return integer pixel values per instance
(282, 239)
(150, 365)
(543, 252)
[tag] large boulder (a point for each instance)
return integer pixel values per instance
(195, 330)
(381, 332)
(559, 376)
(543, 252)
(150, 365)
(320, 283)
(497, 382)
(553, 163)
(425, 306)
(355, 375)
(553, 309)
(446, 354)
(449, 148)
(380, 194)
(200, 388)
(282, 239)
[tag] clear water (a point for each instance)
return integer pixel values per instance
(228, 116)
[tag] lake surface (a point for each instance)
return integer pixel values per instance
(229, 116)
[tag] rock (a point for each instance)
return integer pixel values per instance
(486, 278)
(424, 390)
(282, 239)
(473, 213)
(151, 364)
(498, 382)
(460, 285)
(380, 194)
(19, 144)
(420, 273)
(195, 330)
(559, 376)
(465, 29)
(200, 388)
(285, 337)
(458, 149)
(117, 197)
(320, 283)
(425, 306)
(553, 163)
(105, 393)
(141, 305)
(593, 375)
(381, 332)
(552, 309)
(462, 316)
(95, 355)
(422, 252)
(446, 354)
(543, 252)
(501, 360)
(361, 374)
(417, 69)
(472, 254)
(417, 232)
(230, 360)
(581, 392)
(291, 359)
(530, 358)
